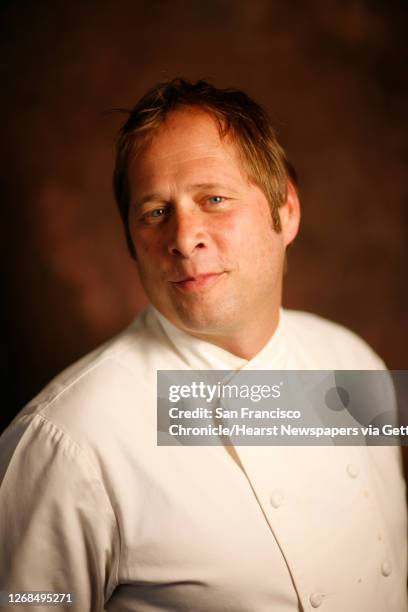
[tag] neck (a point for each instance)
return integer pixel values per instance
(245, 343)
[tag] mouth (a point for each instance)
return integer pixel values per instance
(194, 284)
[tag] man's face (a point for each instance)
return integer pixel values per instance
(207, 253)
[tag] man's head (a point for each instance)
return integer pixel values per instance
(236, 115)
(202, 185)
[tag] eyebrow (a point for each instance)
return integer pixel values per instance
(156, 197)
(207, 186)
(150, 197)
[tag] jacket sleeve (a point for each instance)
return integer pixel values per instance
(58, 530)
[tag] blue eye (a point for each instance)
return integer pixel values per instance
(158, 212)
(215, 199)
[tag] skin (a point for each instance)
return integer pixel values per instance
(208, 256)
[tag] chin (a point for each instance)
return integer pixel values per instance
(200, 321)
(210, 320)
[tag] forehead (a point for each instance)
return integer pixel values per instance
(188, 140)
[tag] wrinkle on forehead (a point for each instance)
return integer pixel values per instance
(178, 138)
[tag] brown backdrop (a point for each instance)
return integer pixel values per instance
(330, 72)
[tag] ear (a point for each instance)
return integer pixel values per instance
(290, 215)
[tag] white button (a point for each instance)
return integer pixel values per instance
(386, 568)
(276, 499)
(352, 470)
(316, 599)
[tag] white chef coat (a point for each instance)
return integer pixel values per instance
(91, 505)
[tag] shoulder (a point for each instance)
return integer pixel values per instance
(327, 345)
(111, 385)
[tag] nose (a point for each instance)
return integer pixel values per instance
(187, 234)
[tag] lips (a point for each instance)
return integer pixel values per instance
(198, 282)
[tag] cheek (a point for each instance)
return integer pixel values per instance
(263, 250)
(142, 248)
(144, 259)
(233, 231)
(143, 240)
(146, 244)
(253, 234)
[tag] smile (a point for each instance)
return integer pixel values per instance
(198, 283)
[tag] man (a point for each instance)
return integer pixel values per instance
(92, 506)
